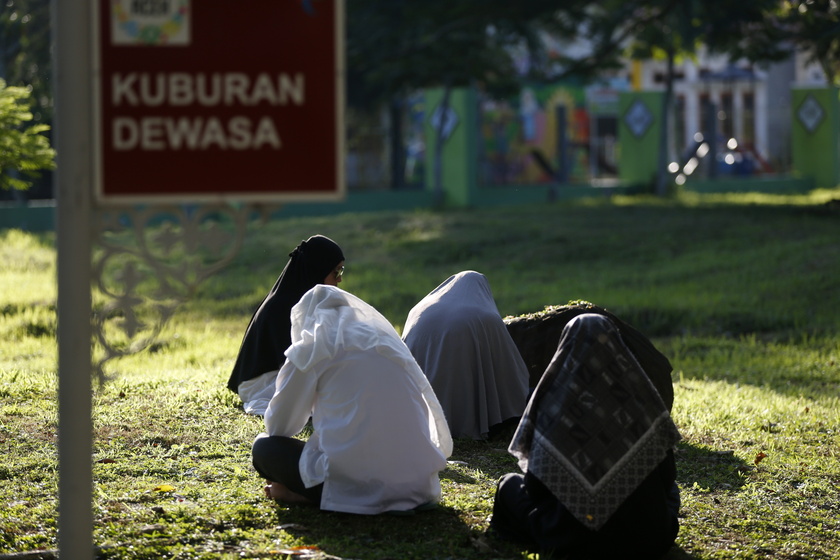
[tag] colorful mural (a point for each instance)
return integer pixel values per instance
(512, 130)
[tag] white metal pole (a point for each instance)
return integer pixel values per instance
(72, 82)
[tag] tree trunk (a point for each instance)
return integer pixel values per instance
(396, 140)
(438, 163)
(662, 161)
(828, 70)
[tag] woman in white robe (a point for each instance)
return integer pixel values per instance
(459, 339)
(379, 437)
(317, 260)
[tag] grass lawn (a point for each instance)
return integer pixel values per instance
(741, 292)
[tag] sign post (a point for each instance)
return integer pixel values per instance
(74, 144)
(172, 102)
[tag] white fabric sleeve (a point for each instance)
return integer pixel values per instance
(291, 405)
(256, 393)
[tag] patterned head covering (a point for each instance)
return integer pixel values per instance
(269, 332)
(595, 426)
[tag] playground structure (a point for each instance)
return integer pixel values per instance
(564, 134)
(563, 142)
(712, 161)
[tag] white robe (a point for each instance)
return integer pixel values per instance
(379, 436)
(256, 393)
(459, 339)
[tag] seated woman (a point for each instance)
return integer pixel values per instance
(318, 260)
(458, 337)
(596, 446)
(378, 438)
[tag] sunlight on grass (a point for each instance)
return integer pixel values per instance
(807, 367)
(815, 197)
(755, 414)
(757, 464)
(693, 199)
(23, 251)
(28, 269)
(739, 291)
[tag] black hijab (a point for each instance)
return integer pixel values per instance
(269, 332)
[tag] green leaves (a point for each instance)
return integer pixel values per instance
(24, 149)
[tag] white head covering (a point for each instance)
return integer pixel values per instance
(329, 320)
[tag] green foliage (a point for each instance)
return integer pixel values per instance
(814, 27)
(681, 27)
(396, 47)
(25, 52)
(738, 291)
(785, 27)
(23, 147)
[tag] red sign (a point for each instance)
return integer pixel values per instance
(219, 99)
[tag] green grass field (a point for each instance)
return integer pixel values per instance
(741, 292)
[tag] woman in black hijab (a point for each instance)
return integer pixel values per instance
(596, 447)
(318, 260)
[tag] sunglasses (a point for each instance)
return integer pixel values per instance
(339, 272)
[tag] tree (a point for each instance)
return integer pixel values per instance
(394, 48)
(681, 27)
(808, 26)
(400, 46)
(24, 150)
(25, 51)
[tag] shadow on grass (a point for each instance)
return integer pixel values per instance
(705, 469)
(794, 365)
(459, 478)
(445, 532)
(677, 553)
(436, 533)
(699, 466)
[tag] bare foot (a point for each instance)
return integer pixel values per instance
(278, 492)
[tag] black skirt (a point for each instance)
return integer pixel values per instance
(644, 527)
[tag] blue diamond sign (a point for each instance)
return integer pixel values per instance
(810, 113)
(638, 118)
